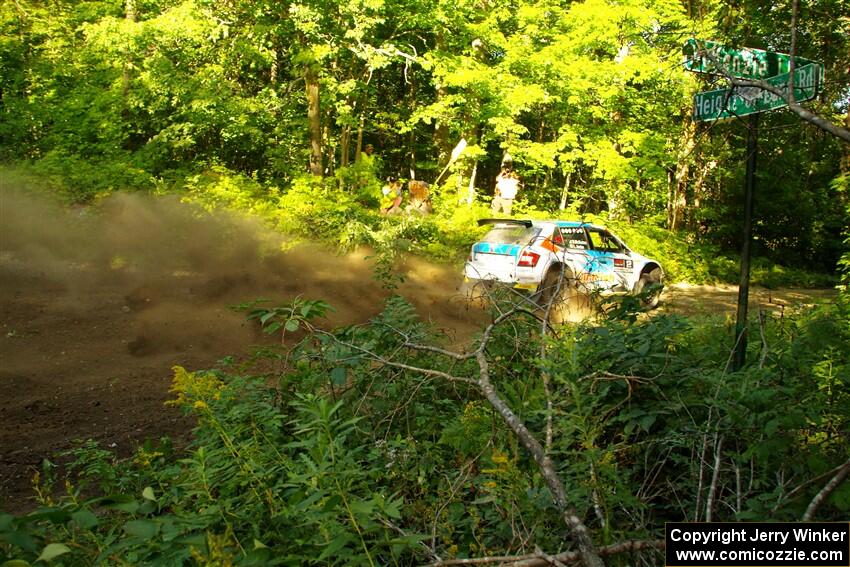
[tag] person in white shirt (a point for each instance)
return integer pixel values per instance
(507, 185)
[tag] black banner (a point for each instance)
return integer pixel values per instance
(758, 544)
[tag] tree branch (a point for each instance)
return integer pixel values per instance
(826, 491)
(543, 559)
(806, 115)
(378, 358)
(586, 547)
(786, 94)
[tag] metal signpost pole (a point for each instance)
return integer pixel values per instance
(744, 285)
(774, 68)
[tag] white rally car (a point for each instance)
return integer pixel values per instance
(546, 257)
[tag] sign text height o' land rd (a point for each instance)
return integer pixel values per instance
(741, 101)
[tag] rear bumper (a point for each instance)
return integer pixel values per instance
(525, 285)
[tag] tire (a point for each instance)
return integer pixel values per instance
(652, 278)
(568, 302)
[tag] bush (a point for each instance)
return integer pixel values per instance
(351, 456)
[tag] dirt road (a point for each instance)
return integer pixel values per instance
(96, 309)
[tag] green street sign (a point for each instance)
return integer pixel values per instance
(743, 63)
(740, 101)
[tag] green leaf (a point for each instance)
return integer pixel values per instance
(259, 545)
(145, 529)
(147, 494)
(647, 421)
(292, 325)
(335, 545)
(53, 550)
(16, 563)
(84, 519)
(20, 539)
(338, 376)
(121, 502)
(272, 328)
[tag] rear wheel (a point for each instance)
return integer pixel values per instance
(569, 303)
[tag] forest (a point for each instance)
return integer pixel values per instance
(391, 440)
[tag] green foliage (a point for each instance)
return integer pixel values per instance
(587, 97)
(287, 318)
(345, 457)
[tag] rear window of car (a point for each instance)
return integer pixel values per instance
(514, 234)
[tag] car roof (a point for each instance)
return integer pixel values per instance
(570, 223)
(541, 223)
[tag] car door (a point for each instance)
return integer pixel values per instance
(574, 248)
(604, 248)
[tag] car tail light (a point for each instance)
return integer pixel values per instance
(528, 259)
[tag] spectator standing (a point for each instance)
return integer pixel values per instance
(507, 186)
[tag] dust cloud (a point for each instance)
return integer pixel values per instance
(98, 303)
(176, 266)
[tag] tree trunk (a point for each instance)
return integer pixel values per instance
(563, 204)
(678, 200)
(411, 143)
(845, 163)
(315, 123)
(359, 149)
(441, 128)
(130, 16)
(470, 195)
(345, 140)
(441, 132)
(328, 146)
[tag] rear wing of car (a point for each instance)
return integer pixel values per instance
(525, 223)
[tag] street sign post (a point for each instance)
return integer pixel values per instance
(755, 64)
(743, 63)
(741, 101)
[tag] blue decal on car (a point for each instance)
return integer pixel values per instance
(502, 249)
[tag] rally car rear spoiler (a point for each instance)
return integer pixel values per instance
(525, 223)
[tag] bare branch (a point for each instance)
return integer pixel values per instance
(21, 11)
(792, 493)
(715, 475)
(378, 358)
(826, 491)
(587, 549)
(442, 351)
(543, 559)
(454, 487)
(544, 327)
(786, 94)
(764, 349)
(795, 107)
